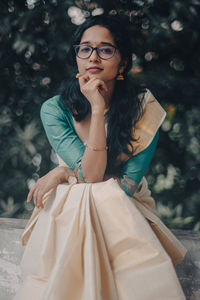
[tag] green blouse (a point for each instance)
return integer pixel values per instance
(61, 133)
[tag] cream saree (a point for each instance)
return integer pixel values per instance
(91, 241)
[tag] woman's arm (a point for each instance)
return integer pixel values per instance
(57, 122)
(94, 162)
(64, 141)
(136, 167)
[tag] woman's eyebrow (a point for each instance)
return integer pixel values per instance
(101, 43)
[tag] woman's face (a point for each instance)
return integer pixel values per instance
(105, 70)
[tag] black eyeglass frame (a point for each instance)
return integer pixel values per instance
(94, 48)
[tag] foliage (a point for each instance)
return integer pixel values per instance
(35, 37)
(172, 216)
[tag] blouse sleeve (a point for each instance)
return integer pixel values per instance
(136, 167)
(60, 132)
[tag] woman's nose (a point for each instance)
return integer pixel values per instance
(94, 56)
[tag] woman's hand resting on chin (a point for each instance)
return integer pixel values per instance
(94, 90)
(46, 183)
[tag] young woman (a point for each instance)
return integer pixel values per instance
(93, 234)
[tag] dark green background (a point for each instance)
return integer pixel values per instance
(34, 39)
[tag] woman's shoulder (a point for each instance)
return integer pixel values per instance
(55, 106)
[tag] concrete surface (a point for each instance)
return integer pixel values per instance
(11, 253)
(188, 271)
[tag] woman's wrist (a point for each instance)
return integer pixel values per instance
(64, 173)
(98, 111)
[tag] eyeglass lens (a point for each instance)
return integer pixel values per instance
(104, 52)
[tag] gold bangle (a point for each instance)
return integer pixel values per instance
(95, 148)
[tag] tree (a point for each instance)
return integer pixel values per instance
(35, 39)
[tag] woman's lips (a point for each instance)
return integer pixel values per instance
(94, 69)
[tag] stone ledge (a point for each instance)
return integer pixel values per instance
(11, 252)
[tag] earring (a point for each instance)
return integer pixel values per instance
(78, 75)
(120, 76)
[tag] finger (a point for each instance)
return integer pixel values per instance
(35, 198)
(86, 79)
(30, 194)
(92, 78)
(100, 84)
(104, 87)
(39, 198)
(40, 194)
(83, 79)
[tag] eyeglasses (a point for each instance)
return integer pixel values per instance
(85, 51)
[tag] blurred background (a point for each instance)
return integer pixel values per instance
(35, 37)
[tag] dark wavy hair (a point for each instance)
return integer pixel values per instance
(126, 107)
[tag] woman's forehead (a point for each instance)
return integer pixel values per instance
(97, 35)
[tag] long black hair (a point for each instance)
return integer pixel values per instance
(126, 107)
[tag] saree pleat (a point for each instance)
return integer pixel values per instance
(91, 242)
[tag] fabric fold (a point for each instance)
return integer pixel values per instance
(91, 242)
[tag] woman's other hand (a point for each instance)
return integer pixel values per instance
(46, 183)
(93, 89)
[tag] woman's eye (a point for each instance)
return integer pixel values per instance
(84, 49)
(106, 50)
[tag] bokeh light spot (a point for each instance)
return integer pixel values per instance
(176, 25)
(46, 80)
(76, 15)
(97, 11)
